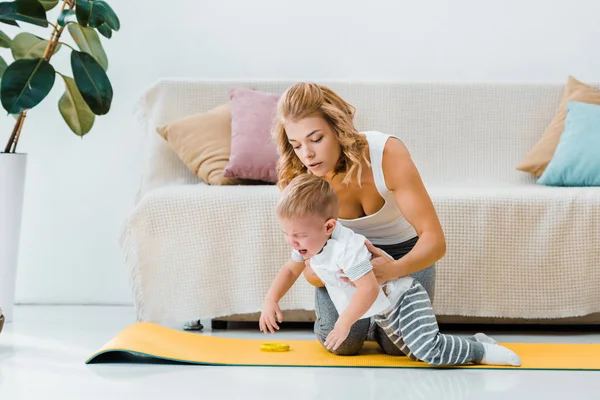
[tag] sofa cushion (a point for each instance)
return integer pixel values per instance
(536, 160)
(576, 161)
(253, 151)
(203, 143)
(523, 251)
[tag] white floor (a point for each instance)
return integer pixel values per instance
(42, 355)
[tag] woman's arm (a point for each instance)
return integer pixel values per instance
(403, 179)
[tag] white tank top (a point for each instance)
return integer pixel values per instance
(388, 225)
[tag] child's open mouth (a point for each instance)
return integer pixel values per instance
(303, 252)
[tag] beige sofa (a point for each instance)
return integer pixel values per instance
(516, 251)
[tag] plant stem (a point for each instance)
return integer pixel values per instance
(53, 42)
(68, 45)
(11, 146)
(18, 135)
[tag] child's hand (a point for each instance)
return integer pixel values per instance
(337, 336)
(267, 317)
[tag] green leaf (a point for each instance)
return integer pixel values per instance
(27, 45)
(65, 16)
(9, 22)
(74, 109)
(92, 82)
(83, 9)
(105, 31)
(98, 15)
(90, 13)
(30, 11)
(111, 18)
(25, 84)
(5, 41)
(48, 4)
(3, 66)
(88, 41)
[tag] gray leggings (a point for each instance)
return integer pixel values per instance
(366, 329)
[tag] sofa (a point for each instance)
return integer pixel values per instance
(517, 251)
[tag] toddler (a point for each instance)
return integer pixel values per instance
(307, 213)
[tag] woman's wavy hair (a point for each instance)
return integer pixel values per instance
(308, 99)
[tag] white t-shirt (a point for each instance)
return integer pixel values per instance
(346, 251)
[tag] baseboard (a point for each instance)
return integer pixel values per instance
(309, 316)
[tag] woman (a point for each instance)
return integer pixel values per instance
(381, 196)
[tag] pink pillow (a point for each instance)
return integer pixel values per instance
(253, 151)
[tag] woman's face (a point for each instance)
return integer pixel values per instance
(314, 143)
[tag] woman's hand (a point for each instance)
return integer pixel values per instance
(383, 265)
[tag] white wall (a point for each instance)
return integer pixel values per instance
(79, 190)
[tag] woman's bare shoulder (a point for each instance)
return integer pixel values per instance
(398, 166)
(394, 146)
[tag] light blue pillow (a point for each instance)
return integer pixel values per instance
(576, 160)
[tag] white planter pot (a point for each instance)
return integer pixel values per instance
(12, 188)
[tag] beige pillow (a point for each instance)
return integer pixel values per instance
(203, 142)
(541, 153)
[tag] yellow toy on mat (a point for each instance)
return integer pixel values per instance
(158, 342)
(275, 347)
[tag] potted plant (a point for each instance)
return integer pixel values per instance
(26, 81)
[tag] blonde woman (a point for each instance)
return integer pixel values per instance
(381, 196)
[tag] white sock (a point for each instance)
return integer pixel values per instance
(483, 338)
(495, 354)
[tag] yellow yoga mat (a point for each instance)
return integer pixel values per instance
(148, 342)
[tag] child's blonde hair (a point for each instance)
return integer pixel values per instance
(307, 99)
(307, 194)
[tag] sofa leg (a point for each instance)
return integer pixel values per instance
(218, 325)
